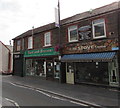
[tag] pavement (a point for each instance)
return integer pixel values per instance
(90, 94)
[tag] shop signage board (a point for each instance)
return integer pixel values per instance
(40, 52)
(95, 46)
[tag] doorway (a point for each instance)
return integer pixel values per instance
(113, 76)
(70, 73)
(49, 69)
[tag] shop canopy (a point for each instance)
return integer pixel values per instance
(106, 56)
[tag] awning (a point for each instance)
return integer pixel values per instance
(106, 56)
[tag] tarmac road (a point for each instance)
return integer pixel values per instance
(21, 96)
(89, 95)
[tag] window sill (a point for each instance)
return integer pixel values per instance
(100, 37)
(73, 41)
(47, 46)
(29, 48)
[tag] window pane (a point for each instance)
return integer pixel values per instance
(30, 43)
(72, 27)
(22, 43)
(98, 21)
(18, 45)
(73, 35)
(47, 39)
(99, 30)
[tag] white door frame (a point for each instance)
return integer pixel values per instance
(113, 73)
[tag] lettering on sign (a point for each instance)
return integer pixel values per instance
(80, 48)
(17, 56)
(39, 51)
(95, 46)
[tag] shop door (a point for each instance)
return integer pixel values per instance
(113, 75)
(18, 64)
(70, 73)
(49, 69)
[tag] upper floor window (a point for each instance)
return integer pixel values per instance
(47, 39)
(18, 45)
(22, 44)
(72, 34)
(99, 30)
(30, 42)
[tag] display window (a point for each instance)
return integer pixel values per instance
(92, 72)
(35, 67)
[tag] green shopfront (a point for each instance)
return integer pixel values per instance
(43, 63)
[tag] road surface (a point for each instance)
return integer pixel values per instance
(23, 96)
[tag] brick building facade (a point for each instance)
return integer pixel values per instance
(89, 49)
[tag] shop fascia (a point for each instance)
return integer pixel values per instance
(97, 46)
(41, 52)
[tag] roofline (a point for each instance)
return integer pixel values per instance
(5, 46)
(86, 18)
(65, 23)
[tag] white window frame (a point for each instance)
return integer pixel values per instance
(30, 42)
(93, 27)
(71, 28)
(47, 35)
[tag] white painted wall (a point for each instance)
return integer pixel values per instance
(5, 58)
(0, 57)
(11, 50)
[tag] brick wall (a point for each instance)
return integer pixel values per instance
(111, 31)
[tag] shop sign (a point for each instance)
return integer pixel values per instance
(40, 52)
(16, 56)
(95, 46)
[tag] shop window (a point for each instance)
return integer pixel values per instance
(18, 45)
(99, 30)
(47, 39)
(35, 67)
(72, 34)
(30, 42)
(92, 72)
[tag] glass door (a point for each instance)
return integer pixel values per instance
(113, 76)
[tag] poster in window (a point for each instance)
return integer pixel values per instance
(84, 32)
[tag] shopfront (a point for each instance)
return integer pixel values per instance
(43, 63)
(97, 65)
